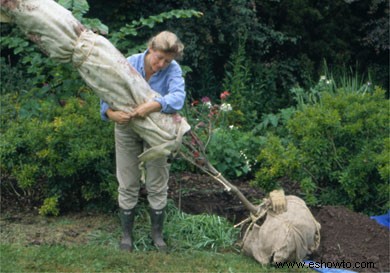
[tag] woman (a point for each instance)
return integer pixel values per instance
(159, 68)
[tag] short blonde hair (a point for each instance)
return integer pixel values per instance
(167, 42)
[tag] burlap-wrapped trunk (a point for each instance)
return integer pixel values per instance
(63, 38)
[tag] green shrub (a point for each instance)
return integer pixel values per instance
(50, 207)
(68, 153)
(337, 148)
(233, 152)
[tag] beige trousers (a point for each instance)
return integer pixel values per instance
(128, 146)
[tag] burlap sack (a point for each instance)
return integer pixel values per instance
(63, 38)
(289, 236)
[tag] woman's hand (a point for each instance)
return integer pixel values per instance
(141, 111)
(118, 116)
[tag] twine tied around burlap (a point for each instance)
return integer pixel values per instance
(289, 236)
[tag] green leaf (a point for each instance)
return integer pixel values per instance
(78, 7)
(150, 22)
(95, 25)
(66, 3)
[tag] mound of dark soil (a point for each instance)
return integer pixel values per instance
(349, 240)
(354, 238)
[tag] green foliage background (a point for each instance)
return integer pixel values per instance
(285, 41)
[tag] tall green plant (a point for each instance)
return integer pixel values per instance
(237, 81)
(237, 75)
(258, 88)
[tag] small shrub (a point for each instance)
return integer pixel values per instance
(229, 149)
(336, 148)
(233, 152)
(50, 207)
(69, 154)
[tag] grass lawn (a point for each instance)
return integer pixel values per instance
(89, 243)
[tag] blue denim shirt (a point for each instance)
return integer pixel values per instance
(169, 83)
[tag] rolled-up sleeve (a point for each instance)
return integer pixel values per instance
(173, 90)
(169, 83)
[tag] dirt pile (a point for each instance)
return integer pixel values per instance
(353, 238)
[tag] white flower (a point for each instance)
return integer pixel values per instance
(322, 78)
(226, 107)
(247, 162)
(208, 104)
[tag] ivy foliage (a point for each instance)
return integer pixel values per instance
(120, 38)
(49, 79)
(79, 8)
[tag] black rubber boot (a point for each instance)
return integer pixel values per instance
(127, 221)
(157, 220)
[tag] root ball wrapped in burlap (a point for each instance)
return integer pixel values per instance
(289, 236)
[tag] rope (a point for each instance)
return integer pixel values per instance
(217, 176)
(298, 231)
(89, 52)
(254, 218)
(290, 227)
(143, 172)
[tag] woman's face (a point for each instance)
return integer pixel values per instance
(159, 60)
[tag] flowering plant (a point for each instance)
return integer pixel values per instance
(206, 116)
(193, 150)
